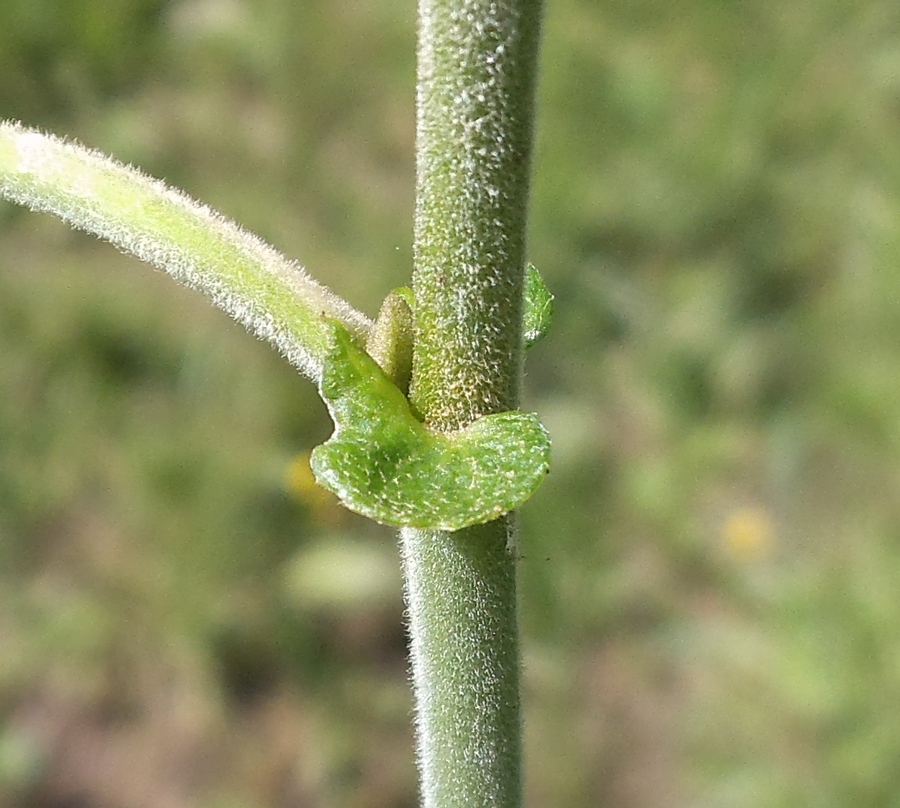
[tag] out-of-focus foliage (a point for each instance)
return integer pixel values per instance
(709, 575)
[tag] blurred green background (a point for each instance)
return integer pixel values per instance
(711, 574)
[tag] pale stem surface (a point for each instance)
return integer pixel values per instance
(259, 287)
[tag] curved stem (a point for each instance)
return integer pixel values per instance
(253, 282)
(476, 75)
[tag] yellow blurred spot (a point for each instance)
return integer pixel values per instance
(302, 484)
(749, 534)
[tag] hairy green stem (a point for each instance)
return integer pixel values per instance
(461, 597)
(477, 64)
(476, 76)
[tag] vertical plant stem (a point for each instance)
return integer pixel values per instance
(461, 598)
(476, 76)
(476, 72)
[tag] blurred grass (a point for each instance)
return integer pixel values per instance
(708, 576)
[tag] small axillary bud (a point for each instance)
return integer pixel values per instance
(390, 342)
(538, 307)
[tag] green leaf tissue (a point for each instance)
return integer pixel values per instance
(385, 464)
